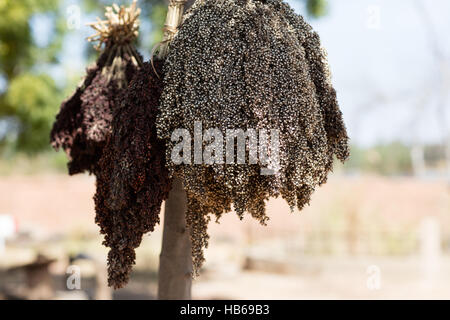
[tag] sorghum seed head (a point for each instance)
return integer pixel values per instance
(250, 64)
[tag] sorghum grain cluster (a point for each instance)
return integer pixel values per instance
(84, 119)
(250, 64)
(132, 180)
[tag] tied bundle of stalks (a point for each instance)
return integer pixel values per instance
(132, 180)
(249, 65)
(84, 120)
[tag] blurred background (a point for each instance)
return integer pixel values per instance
(379, 229)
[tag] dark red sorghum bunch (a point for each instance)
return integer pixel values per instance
(84, 120)
(132, 180)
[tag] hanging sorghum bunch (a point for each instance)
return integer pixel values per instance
(255, 66)
(84, 120)
(132, 180)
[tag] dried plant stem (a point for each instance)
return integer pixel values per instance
(173, 20)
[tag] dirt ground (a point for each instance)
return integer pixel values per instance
(58, 203)
(359, 239)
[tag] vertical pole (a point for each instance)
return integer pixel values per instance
(430, 248)
(175, 261)
(175, 264)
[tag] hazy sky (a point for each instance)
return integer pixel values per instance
(382, 63)
(383, 66)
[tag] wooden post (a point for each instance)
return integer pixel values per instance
(175, 264)
(175, 261)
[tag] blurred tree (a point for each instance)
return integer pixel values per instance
(317, 8)
(17, 49)
(27, 98)
(386, 159)
(442, 74)
(33, 98)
